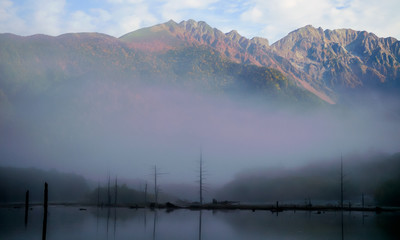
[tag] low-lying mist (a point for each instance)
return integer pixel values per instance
(374, 175)
(98, 127)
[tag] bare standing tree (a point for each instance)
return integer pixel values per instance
(108, 191)
(155, 185)
(201, 178)
(145, 194)
(341, 181)
(98, 194)
(115, 191)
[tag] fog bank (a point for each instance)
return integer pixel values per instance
(113, 127)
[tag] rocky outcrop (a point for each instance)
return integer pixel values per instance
(321, 61)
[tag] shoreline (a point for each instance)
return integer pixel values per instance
(212, 206)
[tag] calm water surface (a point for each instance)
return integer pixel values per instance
(122, 223)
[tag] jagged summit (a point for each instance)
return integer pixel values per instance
(341, 58)
(320, 61)
(191, 33)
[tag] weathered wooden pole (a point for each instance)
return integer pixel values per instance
(155, 186)
(45, 204)
(201, 178)
(341, 182)
(108, 192)
(145, 194)
(362, 200)
(46, 196)
(98, 194)
(26, 207)
(115, 192)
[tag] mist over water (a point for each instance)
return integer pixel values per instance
(95, 127)
(123, 223)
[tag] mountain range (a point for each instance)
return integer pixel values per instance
(309, 64)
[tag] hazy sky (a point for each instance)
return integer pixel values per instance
(271, 19)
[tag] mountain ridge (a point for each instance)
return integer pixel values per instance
(323, 62)
(37, 64)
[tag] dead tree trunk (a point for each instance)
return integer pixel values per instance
(145, 194)
(201, 178)
(108, 192)
(45, 204)
(341, 182)
(155, 186)
(115, 192)
(26, 207)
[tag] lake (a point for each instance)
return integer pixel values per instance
(124, 223)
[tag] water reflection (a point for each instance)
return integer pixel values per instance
(123, 223)
(115, 221)
(342, 224)
(200, 213)
(108, 219)
(45, 207)
(26, 208)
(44, 229)
(154, 224)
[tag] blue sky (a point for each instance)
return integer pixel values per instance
(272, 19)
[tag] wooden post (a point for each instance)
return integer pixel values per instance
(145, 194)
(341, 182)
(201, 178)
(155, 186)
(108, 192)
(362, 200)
(115, 192)
(45, 204)
(98, 194)
(46, 196)
(26, 207)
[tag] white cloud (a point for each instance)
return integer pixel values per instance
(80, 22)
(48, 16)
(124, 1)
(185, 9)
(253, 15)
(5, 9)
(127, 18)
(9, 20)
(188, 4)
(279, 17)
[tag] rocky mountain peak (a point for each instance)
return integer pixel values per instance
(319, 60)
(198, 27)
(260, 41)
(234, 35)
